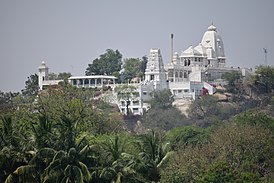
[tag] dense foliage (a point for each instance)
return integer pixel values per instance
(31, 87)
(66, 135)
(107, 64)
(133, 68)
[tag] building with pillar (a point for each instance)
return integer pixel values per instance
(93, 81)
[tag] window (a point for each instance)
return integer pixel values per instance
(123, 103)
(144, 93)
(185, 75)
(80, 81)
(151, 77)
(181, 74)
(136, 102)
(86, 81)
(135, 110)
(92, 81)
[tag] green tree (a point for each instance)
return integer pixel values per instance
(64, 76)
(233, 153)
(61, 76)
(7, 101)
(52, 76)
(181, 137)
(34, 170)
(107, 118)
(106, 64)
(143, 64)
(265, 78)
(164, 119)
(255, 117)
(67, 167)
(154, 155)
(231, 77)
(116, 169)
(132, 68)
(162, 99)
(44, 134)
(15, 147)
(204, 107)
(32, 87)
(163, 115)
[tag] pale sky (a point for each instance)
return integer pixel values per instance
(69, 34)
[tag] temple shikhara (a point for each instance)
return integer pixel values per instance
(194, 72)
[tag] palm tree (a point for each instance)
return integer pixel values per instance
(15, 148)
(118, 166)
(33, 171)
(153, 155)
(66, 167)
(43, 132)
(67, 132)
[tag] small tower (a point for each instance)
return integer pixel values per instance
(155, 70)
(43, 74)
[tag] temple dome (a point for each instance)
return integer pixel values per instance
(211, 39)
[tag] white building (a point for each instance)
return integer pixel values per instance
(187, 75)
(43, 77)
(93, 81)
(198, 67)
(155, 72)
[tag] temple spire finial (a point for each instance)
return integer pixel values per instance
(212, 27)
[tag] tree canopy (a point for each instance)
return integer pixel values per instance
(107, 63)
(265, 78)
(231, 77)
(162, 99)
(66, 135)
(133, 67)
(32, 86)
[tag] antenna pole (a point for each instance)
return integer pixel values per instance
(265, 55)
(171, 54)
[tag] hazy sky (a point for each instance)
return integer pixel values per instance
(69, 34)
